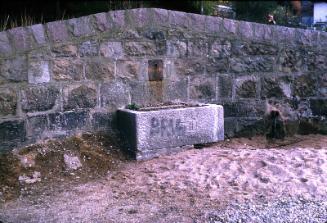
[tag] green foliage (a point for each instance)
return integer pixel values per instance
(133, 106)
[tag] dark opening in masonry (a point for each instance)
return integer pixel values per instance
(276, 126)
(155, 70)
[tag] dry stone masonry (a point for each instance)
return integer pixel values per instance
(68, 76)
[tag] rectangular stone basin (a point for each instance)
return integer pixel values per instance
(156, 131)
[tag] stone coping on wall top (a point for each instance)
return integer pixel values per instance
(22, 39)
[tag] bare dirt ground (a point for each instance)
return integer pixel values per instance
(238, 180)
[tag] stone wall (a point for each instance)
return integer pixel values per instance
(68, 76)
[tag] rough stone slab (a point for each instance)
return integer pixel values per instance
(80, 96)
(39, 34)
(89, 48)
(11, 134)
(8, 101)
(68, 120)
(36, 126)
(5, 47)
(203, 88)
(38, 72)
(67, 69)
(213, 24)
(101, 22)
(100, 69)
(81, 26)
(64, 51)
(58, 31)
(21, 38)
(114, 95)
(149, 132)
(111, 49)
(13, 70)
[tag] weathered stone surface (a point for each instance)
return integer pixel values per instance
(101, 22)
(36, 125)
(262, 32)
(149, 132)
(64, 51)
(189, 67)
(81, 26)
(240, 48)
(100, 69)
(39, 98)
(230, 26)
(113, 50)
(276, 87)
(284, 34)
(213, 24)
(246, 88)
(225, 85)
(245, 29)
(230, 125)
(140, 48)
(117, 18)
(156, 92)
(130, 69)
(290, 60)
(316, 62)
(252, 64)
(8, 101)
(154, 34)
(13, 70)
(22, 40)
(102, 121)
(318, 107)
(139, 17)
(220, 49)
(68, 120)
(312, 126)
(11, 134)
(72, 162)
(305, 85)
(38, 33)
(203, 88)
(89, 48)
(114, 95)
(5, 47)
(178, 19)
(306, 37)
(197, 22)
(248, 108)
(176, 48)
(217, 65)
(80, 97)
(176, 90)
(249, 127)
(67, 69)
(38, 72)
(196, 48)
(58, 31)
(160, 17)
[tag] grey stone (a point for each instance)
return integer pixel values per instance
(262, 32)
(8, 101)
(198, 48)
(244, 108)
(114, 95)
(67, 69)
(150, 132)
(305, 85)
(225, 85)
(117, 18)
(189, 67)
(213, 24)
(22, 40)
(240, 48)
(102, 121)
(132, 69)
(81, 26)
(14, 70)
(64, 51)
(284, 34)
(101, 22)
(139, 17)
(202, 89)
(220, 49)
(38, 33)
(290, 60)
(306, 37)
(249, 127)
(5, 47)
(58, 31)
(230, 26)
(113, 50)
(176, 48)
(154, 34)
(276, 87)
(72, 162)
(38, 72)
(176, 91)
(39, 98)
(100, 69)
(68, 120)
(246, 88)
(12, 133)
(217, 65)
(178, 19)
(252, 64)
(197, 22)
(140, 48)
(160, 17)
(89, 48)
(36, 126)
(80, 97)
(246, 29)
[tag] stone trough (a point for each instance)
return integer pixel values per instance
(154, 131)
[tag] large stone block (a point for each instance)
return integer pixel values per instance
(5, 47)
(89, 48)
(202, 88)
(132, 69)
(216, 65)
(102, 121)
(68, 120)
(79, 97)
(13, 70)
(160, 17)
(114, 95)
(139, 18)
(64, 50)
(140, 48)
(36, 126)
(246, 30)
(274, 87)
(117, 18)
(153, 34)
(39, 98)
(213, 25)
(81, 26)
(176, 90)
(151, 132)
(113, 50)
(197, 48)
(11, 134)
(178, 19)
(8, 101)
(189, 67)
(244, 108)
(100, 69)
(220, 48)
(176, 48)
(241, 48)
(252, 64)
(246, 87)
(290, 60)
(58, 31)
(38, 72)
(305, 85)
(101, 22)
(39, 34)
(225, 85)
(67, 69)
(230, 26)
(21, 38)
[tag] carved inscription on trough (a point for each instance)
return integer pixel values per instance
(166, 127)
